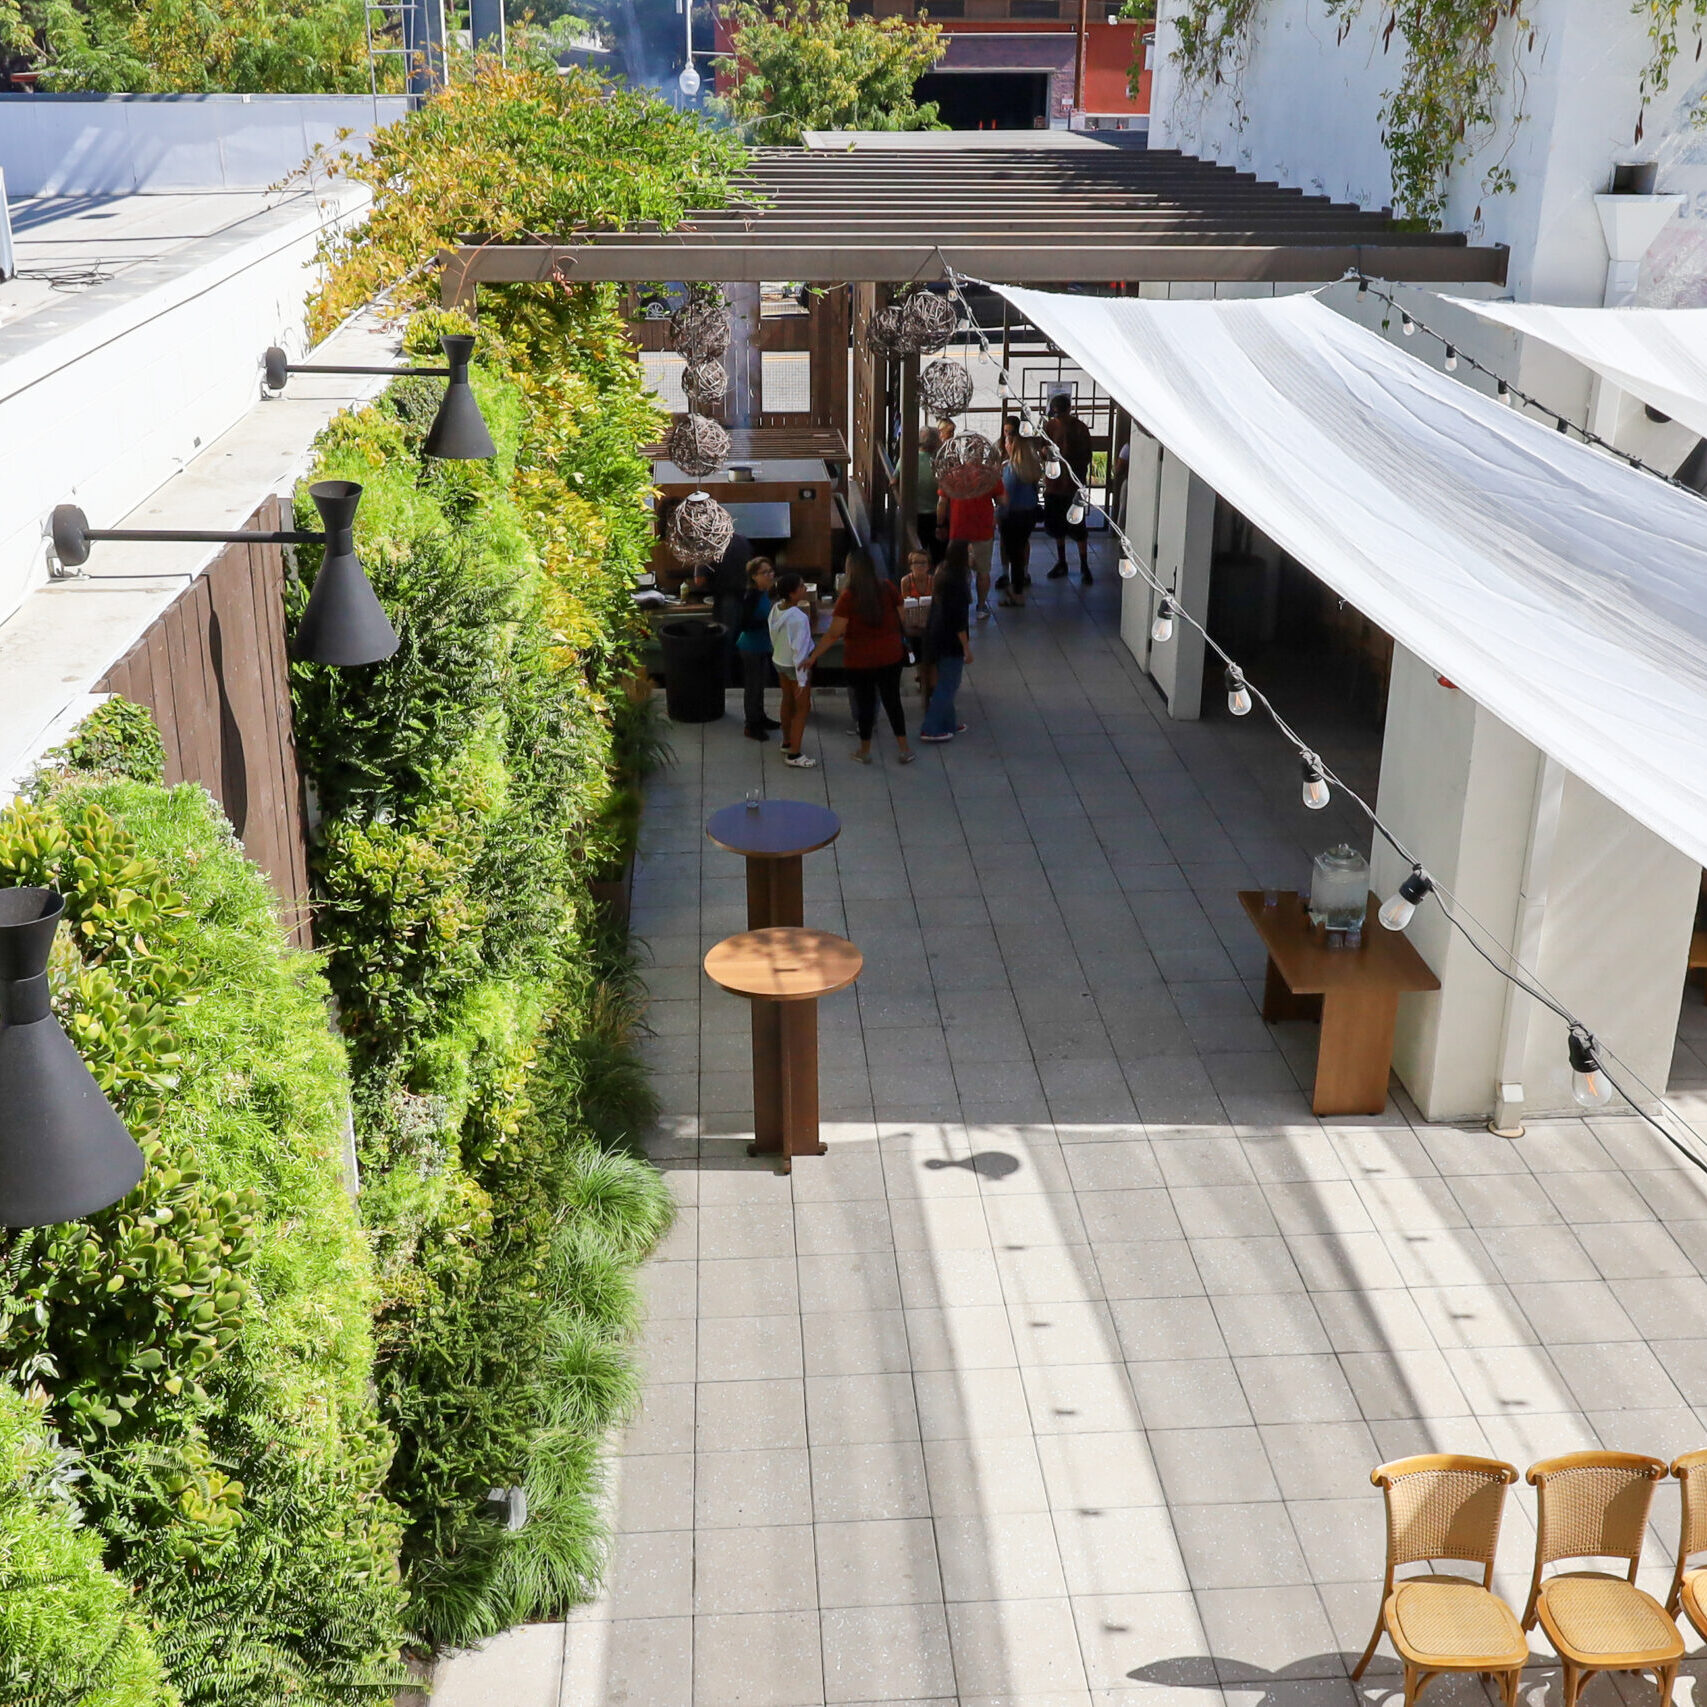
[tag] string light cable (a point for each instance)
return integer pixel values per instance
(1504, 389)
(1593, 1083)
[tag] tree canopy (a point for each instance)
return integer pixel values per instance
(514, 152)
(809, 65)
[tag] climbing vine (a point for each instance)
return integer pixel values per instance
(1665, 22)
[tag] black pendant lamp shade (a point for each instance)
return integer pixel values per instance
(64, 1153)
(458, 432)
(344, 622)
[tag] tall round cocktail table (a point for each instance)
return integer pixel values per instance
(783, 971)
(774, 835)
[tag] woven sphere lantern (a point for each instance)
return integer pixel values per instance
(945, 388)
(704, 382)
(928, 322)
(697, 445)
(968, 466)
(700, 530)
(884, 333)
(700, 329)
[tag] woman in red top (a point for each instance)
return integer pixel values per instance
(867, 621)
(973, 520)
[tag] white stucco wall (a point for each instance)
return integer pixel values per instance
(1304, 109)
(103, 401)
(120, 145)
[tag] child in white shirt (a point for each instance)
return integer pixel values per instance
(791, 646)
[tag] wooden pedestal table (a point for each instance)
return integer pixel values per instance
(1354, 992)
(774, 835)
(783, 972)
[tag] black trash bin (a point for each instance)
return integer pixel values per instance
(693, 670)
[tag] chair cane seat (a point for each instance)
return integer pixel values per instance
(1595, 1618)
(1693, 1596)
(1448, 1622)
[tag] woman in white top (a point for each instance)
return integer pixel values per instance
(791, 646)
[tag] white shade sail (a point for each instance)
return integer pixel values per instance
(1564, 591)
(1656, 354)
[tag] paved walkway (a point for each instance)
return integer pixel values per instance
(1059, 1380)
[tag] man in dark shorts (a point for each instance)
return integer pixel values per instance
(1072, 441)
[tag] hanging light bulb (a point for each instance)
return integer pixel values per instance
(1503, 390)
(1075, 512)
(1564, 425)
(1238, 695)
(1407, 325)
(1128, 569)
(1052, 468)
(1451, 358)
(1589, 1083)
(1026, 429)
(1162, 629)
(1315, 786)
(1362, 289)
(1398, 908)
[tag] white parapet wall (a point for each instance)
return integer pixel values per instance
(120, 145)
(107, 394)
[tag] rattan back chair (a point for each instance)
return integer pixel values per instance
(1595, 1505)
(1445, 1506)
(1686, 1585)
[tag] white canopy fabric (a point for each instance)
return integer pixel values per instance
(1564, 591)
(1656, 354)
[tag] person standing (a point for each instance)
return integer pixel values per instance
(971, 522)
(1072, 441)
(791, 649)
(753, 647)
(867, 621)
(948, 642)
(1017, 512)
(725, 584)
(916, 615)
(924, 495)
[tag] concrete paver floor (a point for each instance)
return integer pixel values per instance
(1058, 1381)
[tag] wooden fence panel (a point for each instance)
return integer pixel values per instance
(213, 671)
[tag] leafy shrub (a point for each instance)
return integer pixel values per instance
(117, 738)
(70, 1631)
(205, 1344)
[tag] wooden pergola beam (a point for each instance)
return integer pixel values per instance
(1089, 257)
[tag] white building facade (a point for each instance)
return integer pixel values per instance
(1594, 902)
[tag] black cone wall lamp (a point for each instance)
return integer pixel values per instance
(64, 1153)
(458, 432)
(344, 623)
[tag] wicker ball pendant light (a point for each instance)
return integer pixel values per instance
(945, 388)
(704, 382)
(700, 530)
(700, 329)
(697, 445)
(968, 466)
(928, 321)
(884, 332)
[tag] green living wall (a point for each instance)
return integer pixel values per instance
(248, 1417)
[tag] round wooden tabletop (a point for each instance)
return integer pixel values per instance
(784, 964)
(774, 829)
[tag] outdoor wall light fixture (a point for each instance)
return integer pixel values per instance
(64, 1153)
(458, 432)
(1589, 1083)
(1399, 908)
(344, 623)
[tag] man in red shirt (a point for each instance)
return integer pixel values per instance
(973, 520)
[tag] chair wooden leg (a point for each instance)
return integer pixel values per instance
(1510, 1682)
(1411, 1689)
(1369, 1652)
(1574, 1680)
(1666, 1678)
